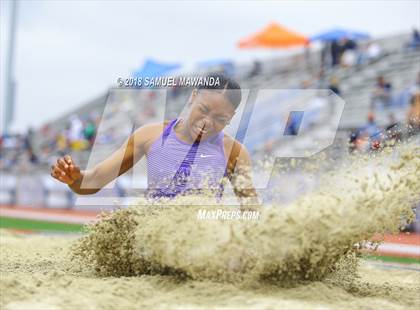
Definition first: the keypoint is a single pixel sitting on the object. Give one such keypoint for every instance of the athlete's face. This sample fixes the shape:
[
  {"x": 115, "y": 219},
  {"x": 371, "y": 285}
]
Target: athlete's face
[{"x": 210, "y": 112}]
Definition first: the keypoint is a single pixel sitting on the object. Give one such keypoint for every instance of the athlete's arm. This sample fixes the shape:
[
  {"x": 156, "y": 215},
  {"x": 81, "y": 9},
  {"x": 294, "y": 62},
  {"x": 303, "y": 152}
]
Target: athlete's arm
[
  {"x": 91, "y": 181},
  {"x": 240, "y": 168}
]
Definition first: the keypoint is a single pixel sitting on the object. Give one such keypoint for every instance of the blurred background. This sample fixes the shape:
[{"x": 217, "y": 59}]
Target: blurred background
[{"x": 60, "y": 62}]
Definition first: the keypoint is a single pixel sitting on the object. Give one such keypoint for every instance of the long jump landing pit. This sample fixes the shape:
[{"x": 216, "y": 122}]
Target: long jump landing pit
[
  {"x": 35, "y": 274},
  {"x": 299, "y": 257}
]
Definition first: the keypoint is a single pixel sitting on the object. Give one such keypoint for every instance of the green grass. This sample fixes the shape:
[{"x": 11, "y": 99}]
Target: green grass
[{"x": 37, "y": 225}]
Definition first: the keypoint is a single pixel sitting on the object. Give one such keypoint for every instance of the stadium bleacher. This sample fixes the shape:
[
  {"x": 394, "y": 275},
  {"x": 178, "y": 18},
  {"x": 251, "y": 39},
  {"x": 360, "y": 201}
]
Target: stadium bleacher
[{"x": 119, "y": 107}]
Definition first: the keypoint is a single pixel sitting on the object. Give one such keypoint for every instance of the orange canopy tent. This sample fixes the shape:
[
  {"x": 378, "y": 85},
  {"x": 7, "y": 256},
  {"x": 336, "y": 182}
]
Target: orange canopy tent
[{"x": 273, "y": 36}]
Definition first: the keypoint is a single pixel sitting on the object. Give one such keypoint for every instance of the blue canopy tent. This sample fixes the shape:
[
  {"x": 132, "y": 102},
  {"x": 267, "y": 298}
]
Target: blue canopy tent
[
  {"x": 338, "y": 34},
  {"x": 153, "y": 68},
  {"x": 226, "y": 65}
]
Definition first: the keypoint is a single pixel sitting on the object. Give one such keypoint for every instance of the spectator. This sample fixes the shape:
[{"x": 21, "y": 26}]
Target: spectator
[
  {"x": 256, "y": 69},
  {"x": 89, "y": 132},
  {"x": 334, "y": 86},
  {"x": 353, "y": 141},
  {"x": 324, "y": 54},
  {"x": 406, "y": 95},
  {"x": 413, "y": 116},
  {"x": 359, "y": 142},
  {"x": 27, "y": 140},
  {"x": 28, "y": 148},
  {"x": 373, "y": 51},
  {"x": 75, "y": 134},
  {"x": 348, "y": 44},
  {"x": 61, "y": 143},
  {"x": 369, "y": 53},
  {"x": 335, "y": 53},
  {"x": 368, "y": 137},
  {"x": 348, "y": 52},
  {"x": 75, "y": 129},
  {"x": 382, "y": 93},
  {"x": 415, "y": 40},
  {"x": 33, "y": 159},
  {"x": 371, "y": 128}
]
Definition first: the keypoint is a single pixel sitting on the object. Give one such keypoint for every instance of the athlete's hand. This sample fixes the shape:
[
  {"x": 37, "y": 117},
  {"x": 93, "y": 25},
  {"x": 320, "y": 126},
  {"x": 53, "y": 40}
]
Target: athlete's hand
[{"x": 66, "y": 171}]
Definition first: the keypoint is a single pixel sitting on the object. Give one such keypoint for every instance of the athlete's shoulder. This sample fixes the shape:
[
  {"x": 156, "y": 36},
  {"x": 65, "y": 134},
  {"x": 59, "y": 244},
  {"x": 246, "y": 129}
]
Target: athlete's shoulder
[
  {"x": 230, "y": 142},
  {"x": 235, "y": 149},
  {"x": 152, "y": 127},
  {"x": 236, "y": 153},
  {"x": 149, "y": 132}
]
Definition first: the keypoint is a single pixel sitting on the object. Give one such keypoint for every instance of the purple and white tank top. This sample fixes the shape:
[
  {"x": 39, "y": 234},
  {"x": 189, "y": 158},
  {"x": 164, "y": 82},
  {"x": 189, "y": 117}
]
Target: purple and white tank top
[{"x": 175, "y": 167}]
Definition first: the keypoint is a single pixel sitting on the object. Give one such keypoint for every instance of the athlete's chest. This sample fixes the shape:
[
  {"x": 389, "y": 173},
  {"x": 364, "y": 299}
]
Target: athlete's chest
[{"x": 205, "y": 151}]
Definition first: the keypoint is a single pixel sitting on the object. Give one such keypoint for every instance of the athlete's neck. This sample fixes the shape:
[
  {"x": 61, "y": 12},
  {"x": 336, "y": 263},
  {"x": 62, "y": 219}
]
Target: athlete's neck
[{"x": 181, "y": 129}]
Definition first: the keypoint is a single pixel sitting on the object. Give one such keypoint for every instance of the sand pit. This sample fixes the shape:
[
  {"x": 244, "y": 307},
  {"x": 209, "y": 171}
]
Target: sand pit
[
  {"x": 301, "y": 256},
  {"x": 36, "y": 274}
]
